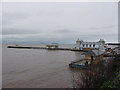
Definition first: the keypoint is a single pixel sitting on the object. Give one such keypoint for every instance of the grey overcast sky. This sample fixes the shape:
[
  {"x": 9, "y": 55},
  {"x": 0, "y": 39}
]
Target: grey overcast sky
[{"x": 59, "y": 22}]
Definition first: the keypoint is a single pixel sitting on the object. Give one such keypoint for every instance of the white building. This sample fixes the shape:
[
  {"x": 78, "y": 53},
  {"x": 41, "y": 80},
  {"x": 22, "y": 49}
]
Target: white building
[{"x": 80, "y": 44}]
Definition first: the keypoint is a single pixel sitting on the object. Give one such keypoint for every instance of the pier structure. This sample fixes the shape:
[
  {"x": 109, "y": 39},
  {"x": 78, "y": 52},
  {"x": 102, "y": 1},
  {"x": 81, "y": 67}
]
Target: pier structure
[
  {"x": 52, "y": 46},
  {"x": 81, "y": 45}
]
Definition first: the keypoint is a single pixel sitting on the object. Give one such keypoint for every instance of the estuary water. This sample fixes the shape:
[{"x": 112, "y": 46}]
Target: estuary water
[{"x": 37, "y": 68}]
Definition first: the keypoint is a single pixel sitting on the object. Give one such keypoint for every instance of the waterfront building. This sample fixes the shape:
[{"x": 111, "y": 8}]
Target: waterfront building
[
  {"x": 89, "y": 57},
  {"x": 93, "y": 56},
  {"x": 52, "y": 46},
  {"x": 81, "y": 45}
]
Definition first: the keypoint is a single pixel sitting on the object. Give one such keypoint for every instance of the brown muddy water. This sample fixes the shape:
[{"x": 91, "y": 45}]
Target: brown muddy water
[{"x": 37, "y": 68}]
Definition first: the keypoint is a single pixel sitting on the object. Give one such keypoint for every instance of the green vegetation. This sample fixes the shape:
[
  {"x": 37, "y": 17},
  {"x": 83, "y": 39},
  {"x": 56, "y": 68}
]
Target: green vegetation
[
  {"x": 114, "y": 82},
  {"x": 103, "y": 75}
]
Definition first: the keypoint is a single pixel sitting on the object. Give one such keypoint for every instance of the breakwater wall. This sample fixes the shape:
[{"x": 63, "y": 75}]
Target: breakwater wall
[{"x": 26, "y": 47}]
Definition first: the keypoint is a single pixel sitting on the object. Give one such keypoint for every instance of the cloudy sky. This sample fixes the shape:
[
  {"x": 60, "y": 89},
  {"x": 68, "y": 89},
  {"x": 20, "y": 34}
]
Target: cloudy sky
[{"x": 59, "y": 22}]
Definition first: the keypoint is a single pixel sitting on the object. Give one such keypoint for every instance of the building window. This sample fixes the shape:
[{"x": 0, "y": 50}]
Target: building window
[
  {"x": 90, "y": 45},
  {"x": 83, "y": 45},
  {"x": 94, "y": 45},
  {"x": 86, "y": 45}
]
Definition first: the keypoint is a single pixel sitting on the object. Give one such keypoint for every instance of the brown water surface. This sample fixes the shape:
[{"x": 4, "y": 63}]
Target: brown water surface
[{"x": 37, "y": 68}]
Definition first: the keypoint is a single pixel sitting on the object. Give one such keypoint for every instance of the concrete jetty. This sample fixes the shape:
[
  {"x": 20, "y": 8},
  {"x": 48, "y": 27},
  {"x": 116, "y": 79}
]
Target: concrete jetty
[{"x": 28, "y": 47}]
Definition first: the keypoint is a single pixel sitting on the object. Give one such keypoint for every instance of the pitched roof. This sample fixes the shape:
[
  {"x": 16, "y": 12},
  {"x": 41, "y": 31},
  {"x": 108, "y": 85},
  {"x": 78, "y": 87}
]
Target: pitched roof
[
  {"x": 93, "y": 53},
  {"x": 89, "y": 53}
]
